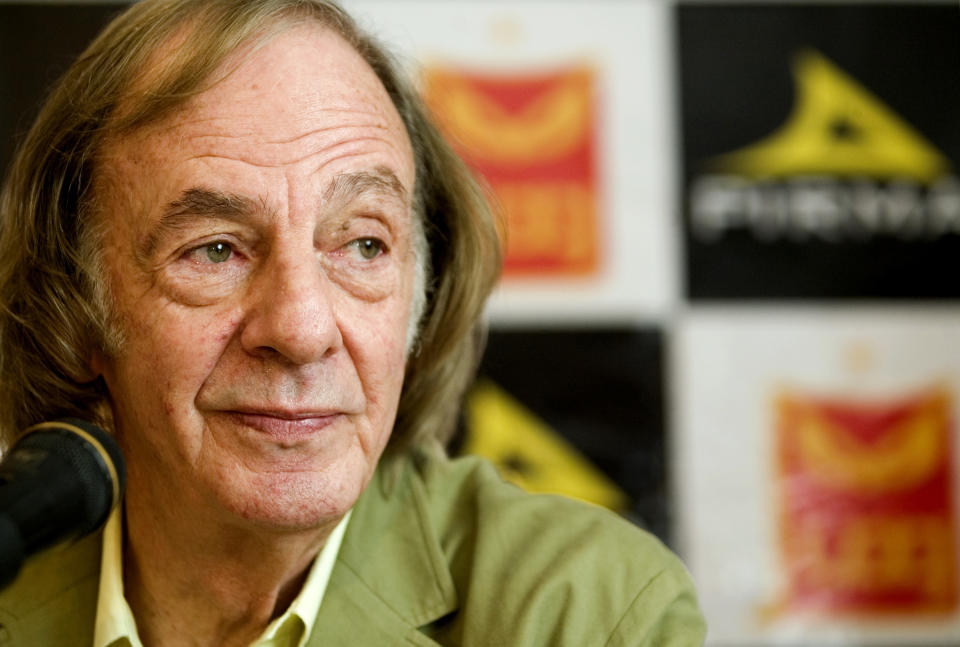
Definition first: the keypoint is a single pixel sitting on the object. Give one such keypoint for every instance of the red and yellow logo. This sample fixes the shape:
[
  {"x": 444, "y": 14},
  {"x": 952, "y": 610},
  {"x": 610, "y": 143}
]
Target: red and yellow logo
[
  {"x": 867, "y": 521},
  {"x": 532, "y": 138}
]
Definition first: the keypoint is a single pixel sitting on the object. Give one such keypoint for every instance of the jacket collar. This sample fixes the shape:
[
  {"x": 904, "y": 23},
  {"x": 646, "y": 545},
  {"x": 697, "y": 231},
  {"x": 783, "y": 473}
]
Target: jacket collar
[{"x": 391, "y": 575}]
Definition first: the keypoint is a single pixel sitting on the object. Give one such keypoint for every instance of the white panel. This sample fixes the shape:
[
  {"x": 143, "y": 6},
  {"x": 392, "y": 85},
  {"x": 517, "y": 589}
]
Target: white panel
[
  {"x": 728, "y": 366},
  {"x": 628, "y": 43}
]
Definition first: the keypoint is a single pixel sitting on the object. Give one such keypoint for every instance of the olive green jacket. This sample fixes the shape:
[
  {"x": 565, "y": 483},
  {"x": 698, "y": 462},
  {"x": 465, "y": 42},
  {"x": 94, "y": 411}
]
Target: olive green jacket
[{"x": 437, "y": 552}]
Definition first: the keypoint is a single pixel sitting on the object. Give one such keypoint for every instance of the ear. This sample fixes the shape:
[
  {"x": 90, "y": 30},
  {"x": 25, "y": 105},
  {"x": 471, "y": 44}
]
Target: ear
[{"x": 96, "y": 367}]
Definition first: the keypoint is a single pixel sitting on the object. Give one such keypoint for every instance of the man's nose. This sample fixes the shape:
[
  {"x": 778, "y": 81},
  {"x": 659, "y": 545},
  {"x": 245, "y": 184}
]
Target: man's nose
[{"x": 292, "y": 312}]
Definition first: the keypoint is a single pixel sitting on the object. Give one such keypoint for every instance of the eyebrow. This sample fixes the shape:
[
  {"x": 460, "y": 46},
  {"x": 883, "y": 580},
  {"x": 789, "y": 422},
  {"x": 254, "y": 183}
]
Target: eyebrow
[
  {"x": 205, "y": 203},
  {"x": 347, "y": 186},
  {"x": 194, "y": 203}
]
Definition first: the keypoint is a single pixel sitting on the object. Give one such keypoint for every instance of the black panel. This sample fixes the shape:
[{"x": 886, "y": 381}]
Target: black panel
[
  {"x": 37, "y": 44},
  {"x": 736, "y": 87},
  {"x": 602, "y": 390}
]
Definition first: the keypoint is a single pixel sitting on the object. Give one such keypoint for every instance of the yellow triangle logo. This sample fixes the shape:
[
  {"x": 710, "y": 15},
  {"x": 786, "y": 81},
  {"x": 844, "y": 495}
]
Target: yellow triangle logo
[
  {"x": 531, "y": 454},
  {"x": 837, "y": 128}
]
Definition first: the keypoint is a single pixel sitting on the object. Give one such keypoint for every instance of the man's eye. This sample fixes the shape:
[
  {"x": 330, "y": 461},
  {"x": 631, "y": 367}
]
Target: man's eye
[
  {"x": 218, "y": 252},
  {"x": 369, "y": 248}
]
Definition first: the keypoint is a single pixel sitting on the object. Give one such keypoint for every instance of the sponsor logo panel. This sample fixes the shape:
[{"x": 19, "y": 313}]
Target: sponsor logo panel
[
  {"x": 565, "y": 110},
  {"x": 531, "y": 137},
  {"x": 848, "y": 185},
  {"x": 867, "y": 521},
  {"x": 576, "y": 412},
  {"x": 816, "y": 474}
]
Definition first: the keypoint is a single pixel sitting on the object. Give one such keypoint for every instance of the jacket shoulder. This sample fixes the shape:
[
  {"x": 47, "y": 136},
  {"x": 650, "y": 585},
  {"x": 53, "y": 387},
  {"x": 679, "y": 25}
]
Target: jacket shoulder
[
  {"x": 52, "y": 602},
  {"x": 542, "y": 569}
]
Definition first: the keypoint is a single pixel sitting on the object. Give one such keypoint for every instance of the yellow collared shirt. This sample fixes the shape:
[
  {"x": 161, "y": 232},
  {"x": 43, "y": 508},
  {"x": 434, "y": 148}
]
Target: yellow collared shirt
[{"x": 116, "y": 627}]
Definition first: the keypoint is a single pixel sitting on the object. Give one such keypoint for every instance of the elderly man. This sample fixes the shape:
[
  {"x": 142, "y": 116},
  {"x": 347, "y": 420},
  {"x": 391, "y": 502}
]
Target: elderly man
[{"x": 234, "y": 240}]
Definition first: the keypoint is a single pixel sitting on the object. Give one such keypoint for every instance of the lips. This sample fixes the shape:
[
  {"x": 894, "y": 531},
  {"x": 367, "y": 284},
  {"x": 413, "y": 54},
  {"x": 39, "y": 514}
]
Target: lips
[{"x": 285, "y": 426}]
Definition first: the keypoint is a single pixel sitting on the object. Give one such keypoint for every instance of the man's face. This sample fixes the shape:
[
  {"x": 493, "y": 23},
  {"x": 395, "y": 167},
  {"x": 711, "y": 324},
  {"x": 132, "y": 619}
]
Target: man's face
[{"x": 260, "y": 255}]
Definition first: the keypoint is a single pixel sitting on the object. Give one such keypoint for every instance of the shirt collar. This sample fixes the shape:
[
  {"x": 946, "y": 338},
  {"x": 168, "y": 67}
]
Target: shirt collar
[{"x": 115, "y": 624}]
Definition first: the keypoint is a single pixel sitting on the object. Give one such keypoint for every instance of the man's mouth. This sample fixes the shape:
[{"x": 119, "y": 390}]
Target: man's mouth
[{"x": 286, "y": 426}]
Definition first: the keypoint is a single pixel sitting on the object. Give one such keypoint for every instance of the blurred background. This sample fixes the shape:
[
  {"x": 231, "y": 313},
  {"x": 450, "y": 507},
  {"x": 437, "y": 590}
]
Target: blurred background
[{"x": 729, "y": 308}]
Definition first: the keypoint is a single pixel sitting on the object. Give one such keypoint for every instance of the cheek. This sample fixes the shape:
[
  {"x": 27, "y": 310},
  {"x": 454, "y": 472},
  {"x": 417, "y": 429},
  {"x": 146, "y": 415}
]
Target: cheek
[
  {"x": 377, "y": 344},
  {"x": 173, "y": 349},
  {"x": 156, "y": 378}
]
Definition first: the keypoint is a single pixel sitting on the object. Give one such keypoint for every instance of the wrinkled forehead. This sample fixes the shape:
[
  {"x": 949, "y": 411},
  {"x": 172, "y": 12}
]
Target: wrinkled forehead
[
  {"x": 290, "y": 91},
  {"x": 293, "y": 83},
  {"x": 161, "y": 72}
]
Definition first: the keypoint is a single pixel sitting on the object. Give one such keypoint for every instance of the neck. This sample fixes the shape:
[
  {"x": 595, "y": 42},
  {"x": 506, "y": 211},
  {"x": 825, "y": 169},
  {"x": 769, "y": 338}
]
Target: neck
[{"x": 210, "y": 583}]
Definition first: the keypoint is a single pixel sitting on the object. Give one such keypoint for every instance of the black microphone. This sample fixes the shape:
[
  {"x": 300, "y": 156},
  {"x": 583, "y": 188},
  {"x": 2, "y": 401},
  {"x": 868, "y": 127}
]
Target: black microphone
[{"x": 59, "y": 481}]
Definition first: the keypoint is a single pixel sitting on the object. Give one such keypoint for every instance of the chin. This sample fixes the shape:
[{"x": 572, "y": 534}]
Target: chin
[{"x": 294, "y": 501}]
